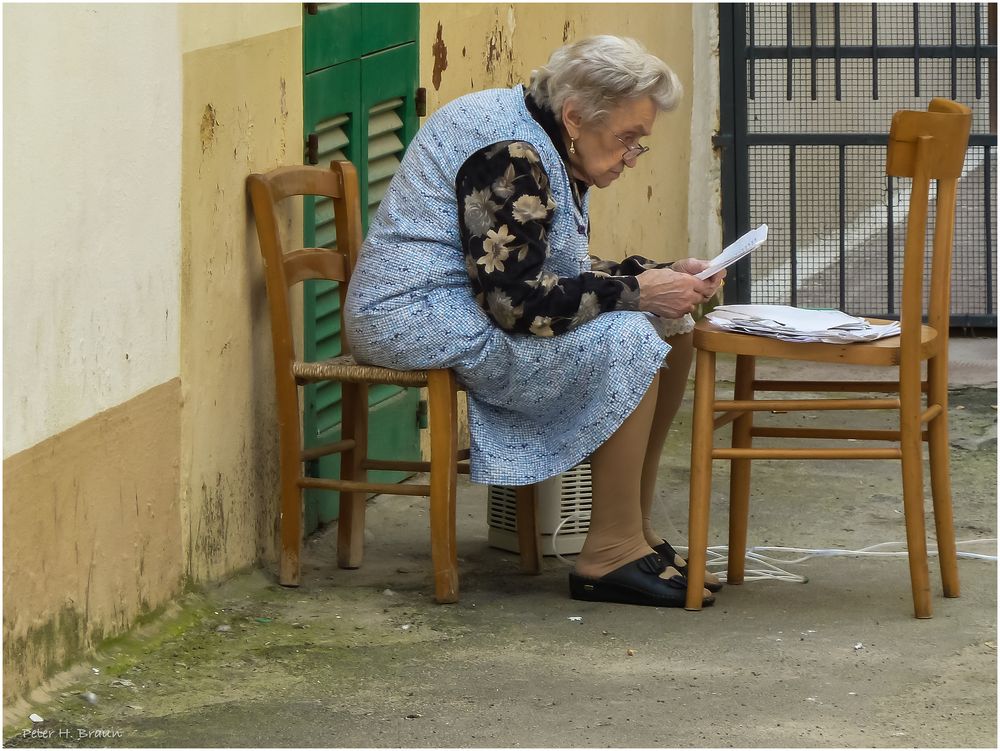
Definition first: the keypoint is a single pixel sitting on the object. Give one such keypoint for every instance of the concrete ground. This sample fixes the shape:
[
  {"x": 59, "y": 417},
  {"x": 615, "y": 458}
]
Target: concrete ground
[{"x": 366, "y": 659}]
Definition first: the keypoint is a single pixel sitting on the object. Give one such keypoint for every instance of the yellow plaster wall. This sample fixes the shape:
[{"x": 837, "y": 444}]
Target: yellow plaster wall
[
  {"x": 91, "y": 535},
  {"x": 469, "y": 46},
  {"x": 204, "y": 25},
  {"x": 242, "y": 112}
]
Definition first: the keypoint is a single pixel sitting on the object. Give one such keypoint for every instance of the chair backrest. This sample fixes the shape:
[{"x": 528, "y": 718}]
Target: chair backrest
[
  {"x": 284, "y": 268},
  {"x": 928, "y": 146}
]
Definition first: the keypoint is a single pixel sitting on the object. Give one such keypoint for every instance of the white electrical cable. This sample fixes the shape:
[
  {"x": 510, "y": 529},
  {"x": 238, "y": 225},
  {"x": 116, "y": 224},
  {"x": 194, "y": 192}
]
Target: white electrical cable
[
  {"x": 718, "y": 554},
  {"x": 555, "y": 533}
]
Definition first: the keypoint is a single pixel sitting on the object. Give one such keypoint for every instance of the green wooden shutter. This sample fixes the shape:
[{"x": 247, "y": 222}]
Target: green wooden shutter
[
  {"x": 385, "y": 25},
  {"x": 390, "y": 122},
  {"x": 331, "y": 34},
  {"x": 362, "y": 110},
  {"x": 332, "y": 112}
]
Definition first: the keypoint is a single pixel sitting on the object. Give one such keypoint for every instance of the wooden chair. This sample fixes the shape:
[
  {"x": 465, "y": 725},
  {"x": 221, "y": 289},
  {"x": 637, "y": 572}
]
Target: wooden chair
[
  {"x": 925, "y": 146},
  {"x": 283, "y": 269}
]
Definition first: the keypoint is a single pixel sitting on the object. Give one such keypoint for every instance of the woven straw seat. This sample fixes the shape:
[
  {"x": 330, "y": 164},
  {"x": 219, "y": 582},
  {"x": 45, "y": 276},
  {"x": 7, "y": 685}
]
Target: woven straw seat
[
  {"x": 345, "y": 368},
  {"x": 924, "y": 146},
  {"x": 283, "y": 269}
]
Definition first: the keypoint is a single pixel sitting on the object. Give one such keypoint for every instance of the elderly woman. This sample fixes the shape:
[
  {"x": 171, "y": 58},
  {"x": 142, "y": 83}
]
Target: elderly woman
[{"x": 478, "y": 259}]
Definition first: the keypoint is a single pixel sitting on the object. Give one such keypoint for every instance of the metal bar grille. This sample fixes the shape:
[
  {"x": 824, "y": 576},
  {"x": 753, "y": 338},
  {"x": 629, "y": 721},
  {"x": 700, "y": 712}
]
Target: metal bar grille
[{"x": 816, "y": 86}]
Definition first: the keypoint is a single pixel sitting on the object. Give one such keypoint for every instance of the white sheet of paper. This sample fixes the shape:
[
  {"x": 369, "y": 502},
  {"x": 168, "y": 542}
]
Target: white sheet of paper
[
  {"x": 798, "y": 319},
  {"x": 752, "y": 239}
]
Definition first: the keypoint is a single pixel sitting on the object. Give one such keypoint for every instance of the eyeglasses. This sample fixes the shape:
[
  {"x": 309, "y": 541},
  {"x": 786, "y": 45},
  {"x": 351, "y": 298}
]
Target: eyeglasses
[{"x": 632, "y": 152}]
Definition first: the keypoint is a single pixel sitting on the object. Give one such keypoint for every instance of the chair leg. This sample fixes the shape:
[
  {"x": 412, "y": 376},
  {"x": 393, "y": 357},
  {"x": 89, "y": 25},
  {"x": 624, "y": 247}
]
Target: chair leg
[
  {"x": 527, "y": 529},
  {"x": 739, "y": 474},
  {"x": 442, "y": 402},
  {"x": 290, "y": 554},
  {"x": 937, "y": 444},
  {"x": 911, "y": 450},
  {"x": 291, "y": 472},
  {"x": 702, "y": 429},
  {"x": 351, "y": 524}
]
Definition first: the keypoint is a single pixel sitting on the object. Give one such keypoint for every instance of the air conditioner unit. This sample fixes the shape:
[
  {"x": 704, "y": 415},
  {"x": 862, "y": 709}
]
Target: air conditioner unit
[{"x": 565, "y": 497}]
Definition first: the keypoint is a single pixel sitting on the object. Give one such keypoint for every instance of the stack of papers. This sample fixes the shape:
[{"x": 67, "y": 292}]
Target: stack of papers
[{"x": 799, "y": 325}]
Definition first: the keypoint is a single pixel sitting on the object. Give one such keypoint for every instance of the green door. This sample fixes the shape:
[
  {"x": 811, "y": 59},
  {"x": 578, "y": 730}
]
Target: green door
[{"x": 359, "y": 94}]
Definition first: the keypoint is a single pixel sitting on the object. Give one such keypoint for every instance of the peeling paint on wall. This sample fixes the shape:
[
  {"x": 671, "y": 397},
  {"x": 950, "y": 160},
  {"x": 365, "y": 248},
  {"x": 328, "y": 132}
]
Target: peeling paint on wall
[
  {"x": 500, "y": 53},
  {"x": 440, "y": 54},
  {"x": 208, "y": 123},
  {"x": 283, "y": 108},
  {"x": 494, "y": 43}
]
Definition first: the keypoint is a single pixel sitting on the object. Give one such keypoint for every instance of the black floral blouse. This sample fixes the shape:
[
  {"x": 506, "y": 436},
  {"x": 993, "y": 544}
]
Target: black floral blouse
[{"x": 505, "y": 213}]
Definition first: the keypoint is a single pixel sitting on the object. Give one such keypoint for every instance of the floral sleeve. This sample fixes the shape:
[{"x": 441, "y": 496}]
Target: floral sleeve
[
  {"x": 505, "y": 211},
  {"x": 633, "y": 265}
]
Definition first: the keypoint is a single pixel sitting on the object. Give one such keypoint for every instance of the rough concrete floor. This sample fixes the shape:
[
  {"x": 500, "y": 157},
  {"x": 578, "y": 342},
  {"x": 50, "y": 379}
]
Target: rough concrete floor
[{"x": 365, "y": 659}]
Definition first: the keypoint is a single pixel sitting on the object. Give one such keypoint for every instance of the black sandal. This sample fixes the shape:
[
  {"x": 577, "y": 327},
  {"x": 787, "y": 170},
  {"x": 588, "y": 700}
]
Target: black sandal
[
  {"x": 635, "y": 583},
  {"x": 666, "y": 550}
]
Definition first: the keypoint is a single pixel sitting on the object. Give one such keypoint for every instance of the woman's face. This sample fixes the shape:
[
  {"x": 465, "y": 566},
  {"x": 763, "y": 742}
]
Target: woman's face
[{"x": 601, "y": 147}]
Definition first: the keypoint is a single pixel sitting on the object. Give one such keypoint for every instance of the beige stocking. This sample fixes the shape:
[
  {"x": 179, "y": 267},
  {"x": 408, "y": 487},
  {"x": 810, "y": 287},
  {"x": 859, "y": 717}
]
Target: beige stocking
[
  {"x": 673, "y": 381},
  {"x": 615, "y": 537}
]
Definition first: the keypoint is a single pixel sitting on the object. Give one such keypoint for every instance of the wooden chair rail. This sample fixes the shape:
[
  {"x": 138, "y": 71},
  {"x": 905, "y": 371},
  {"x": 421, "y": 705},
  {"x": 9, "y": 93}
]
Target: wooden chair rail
[
  {"x": 462, "y": 469},
  {"x": 796, "y": 405},
  {"x": 314, "y": 263},
  {"x": 830, "y": 433},
  {"x": 337, "y": 447},
  {"x": 806, "y": 453},
  {"x": 724, "y": 419},
  {"x": 292, "y": 180},
  {"x": 352, "y": 486},
  {"x": 887, "y": 387}
]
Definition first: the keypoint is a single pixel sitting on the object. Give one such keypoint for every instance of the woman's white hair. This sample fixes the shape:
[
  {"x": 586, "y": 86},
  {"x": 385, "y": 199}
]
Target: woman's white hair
[{"x": 602, "y": 72}]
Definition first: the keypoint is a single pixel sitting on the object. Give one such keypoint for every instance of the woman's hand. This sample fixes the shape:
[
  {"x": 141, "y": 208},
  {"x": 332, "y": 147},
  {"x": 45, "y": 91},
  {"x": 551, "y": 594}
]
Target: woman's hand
[
  {"x": 672, "y": 294},
  {"x": 696, "y": 266}
]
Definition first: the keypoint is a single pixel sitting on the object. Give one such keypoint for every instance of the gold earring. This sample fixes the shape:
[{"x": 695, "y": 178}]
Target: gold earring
[{"x": 572, "y": 146}]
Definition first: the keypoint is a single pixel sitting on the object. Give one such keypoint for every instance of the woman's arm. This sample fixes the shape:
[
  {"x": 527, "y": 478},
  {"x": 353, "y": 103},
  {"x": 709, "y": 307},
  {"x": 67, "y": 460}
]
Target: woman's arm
[
  {"x": 505, "y": 215},
  {"x": 632, "y": 265}
]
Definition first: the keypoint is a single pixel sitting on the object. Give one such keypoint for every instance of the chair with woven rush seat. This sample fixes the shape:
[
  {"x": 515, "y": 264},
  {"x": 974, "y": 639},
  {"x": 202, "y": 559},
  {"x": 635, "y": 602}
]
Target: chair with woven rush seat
[
  {"x": 283, "y": 269},
  {"x": 923, "y": 146}
]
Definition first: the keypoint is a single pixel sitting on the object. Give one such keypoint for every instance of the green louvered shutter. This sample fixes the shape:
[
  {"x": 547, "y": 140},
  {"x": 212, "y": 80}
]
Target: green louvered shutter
[
  {"x": 388, "y": 85},
  {"x": 362, "y": 110}
]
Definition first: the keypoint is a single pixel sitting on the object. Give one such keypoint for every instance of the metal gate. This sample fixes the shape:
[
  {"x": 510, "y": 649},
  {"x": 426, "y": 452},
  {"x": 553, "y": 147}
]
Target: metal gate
[{"x": 808, "y": 91}]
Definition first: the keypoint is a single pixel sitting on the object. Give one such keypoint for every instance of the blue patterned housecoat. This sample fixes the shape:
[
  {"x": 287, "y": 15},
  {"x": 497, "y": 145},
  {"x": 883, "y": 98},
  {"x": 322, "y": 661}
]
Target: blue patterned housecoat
[{"x": 537, "y": 405}]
